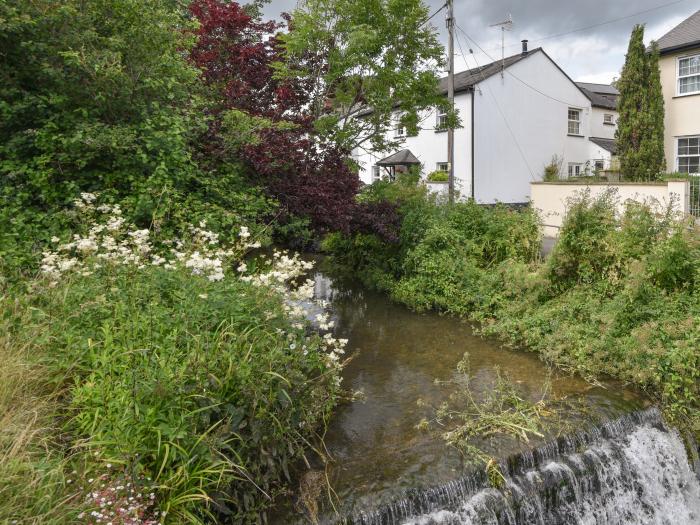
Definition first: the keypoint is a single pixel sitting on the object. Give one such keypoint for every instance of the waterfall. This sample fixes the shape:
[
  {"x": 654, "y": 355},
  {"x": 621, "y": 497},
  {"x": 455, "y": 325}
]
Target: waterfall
[{"x": 633, "y": 470}]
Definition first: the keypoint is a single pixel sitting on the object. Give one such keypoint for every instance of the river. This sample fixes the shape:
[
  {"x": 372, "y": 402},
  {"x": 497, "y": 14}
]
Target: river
[{"x": 384, "y": 470}]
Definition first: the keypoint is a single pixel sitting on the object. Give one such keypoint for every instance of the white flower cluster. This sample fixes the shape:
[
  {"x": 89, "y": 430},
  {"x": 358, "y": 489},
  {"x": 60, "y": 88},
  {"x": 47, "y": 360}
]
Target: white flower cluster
[
  {"x": 111, "y": 240},
  {"x": 283, "y": 275}
]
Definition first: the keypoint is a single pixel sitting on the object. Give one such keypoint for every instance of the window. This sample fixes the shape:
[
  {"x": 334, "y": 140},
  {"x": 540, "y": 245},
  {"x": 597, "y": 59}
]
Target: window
[
  {"x": 689, "y": 75},
  {"x": 608, "y": 119},
  {"x": 689, "y": 154},
  {"x": 599, "y": 164},
  {"x": 441, "y": 122},
  {"x": 400, "y": 130},
  {"x": 442, "y": 166},
  {"x": 575, "y": 169},
  {"x": 375, "y": 173},
  {"x": 574, "y": 121}
]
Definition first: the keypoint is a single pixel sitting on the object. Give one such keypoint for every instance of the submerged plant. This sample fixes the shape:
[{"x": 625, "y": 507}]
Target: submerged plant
[{"x": 471, "y": 419}]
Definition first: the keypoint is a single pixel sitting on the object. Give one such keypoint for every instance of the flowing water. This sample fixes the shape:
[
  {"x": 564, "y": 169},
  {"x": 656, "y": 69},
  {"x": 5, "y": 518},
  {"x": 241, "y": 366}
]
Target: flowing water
[{"x": 624, "y": 467}]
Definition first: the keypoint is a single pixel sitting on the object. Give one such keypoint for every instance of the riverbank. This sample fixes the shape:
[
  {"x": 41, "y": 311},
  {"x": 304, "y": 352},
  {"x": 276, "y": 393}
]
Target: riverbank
[
  {"x": 618, "y": 296},
  {"x": 149, "y": 381},
  {"x": 375, "y": 449}
]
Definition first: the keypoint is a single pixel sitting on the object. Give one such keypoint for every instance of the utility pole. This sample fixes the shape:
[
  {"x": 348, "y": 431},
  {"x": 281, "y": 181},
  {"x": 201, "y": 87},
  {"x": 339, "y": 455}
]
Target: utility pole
[{"x": 451, "y": 99}]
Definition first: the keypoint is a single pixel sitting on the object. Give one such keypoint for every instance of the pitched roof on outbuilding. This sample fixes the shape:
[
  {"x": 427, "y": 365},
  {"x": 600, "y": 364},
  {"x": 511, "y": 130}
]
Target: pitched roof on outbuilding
[
  {"x": 400, "y": 158},
  {"x": 607, "y": 144},
  {"x": 685, "y": 35}
]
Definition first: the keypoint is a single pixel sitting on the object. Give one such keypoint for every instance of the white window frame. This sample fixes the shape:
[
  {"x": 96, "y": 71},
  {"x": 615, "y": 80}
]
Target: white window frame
[
  {"x": 689, "y": 75},
  {"x": 687, "y": 155},
  {"x": 608, "y": 118},
  {"x": 440, "y": 119},
  {"x": 399, "y": 130},
  {"x": 571, "y": 121},
  {"x": 442, "y": 166},
  {"x": 576, "y": 167},
  {"x": 376, "y": 173}
]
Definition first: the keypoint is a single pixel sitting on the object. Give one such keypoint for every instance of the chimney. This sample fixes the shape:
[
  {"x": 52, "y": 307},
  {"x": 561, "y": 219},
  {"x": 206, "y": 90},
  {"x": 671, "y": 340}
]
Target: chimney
[{"x": 524, "y": 46}]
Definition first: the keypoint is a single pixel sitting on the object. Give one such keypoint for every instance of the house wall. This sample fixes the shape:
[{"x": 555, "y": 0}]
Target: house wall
[
  {"x": 430, "y": 147},
  {"x": 518, "y": 130},
  {"x": 598, "y": 128},
  {"x": 682, "y": 113},
  {"x": 598, "y": 153},
  {"x": 551, "y": 199}
]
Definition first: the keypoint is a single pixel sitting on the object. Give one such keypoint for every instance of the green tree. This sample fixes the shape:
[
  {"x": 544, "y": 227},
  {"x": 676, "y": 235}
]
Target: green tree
[
  {"x": 100, "y": 96},
  {"x": 640, "y": 129},
  {"x": 360, "y": 54}
]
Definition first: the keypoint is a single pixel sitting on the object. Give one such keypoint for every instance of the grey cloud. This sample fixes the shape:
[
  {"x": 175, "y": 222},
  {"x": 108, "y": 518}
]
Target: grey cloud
[{"x": 596, "y": 53}]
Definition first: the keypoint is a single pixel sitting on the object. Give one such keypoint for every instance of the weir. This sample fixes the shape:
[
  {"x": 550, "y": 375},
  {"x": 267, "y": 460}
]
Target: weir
[{"x": 632, "y": 470}]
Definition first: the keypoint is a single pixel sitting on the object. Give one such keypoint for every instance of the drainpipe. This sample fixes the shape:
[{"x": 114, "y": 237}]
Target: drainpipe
[{"x": 472, "y": 119}]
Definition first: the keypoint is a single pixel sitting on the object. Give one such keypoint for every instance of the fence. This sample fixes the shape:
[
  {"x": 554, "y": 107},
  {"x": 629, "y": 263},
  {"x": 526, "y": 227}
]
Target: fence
[
  {"x": 694, "y": 195},
  {"x": 551, "y": 198}
]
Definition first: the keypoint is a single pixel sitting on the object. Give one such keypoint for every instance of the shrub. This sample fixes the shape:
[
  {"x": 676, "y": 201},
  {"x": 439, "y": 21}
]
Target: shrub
[
  {"x": 195, "y": 381},
  {"x": 617, "y": 296},
  {"x": 438, "y": 176}
]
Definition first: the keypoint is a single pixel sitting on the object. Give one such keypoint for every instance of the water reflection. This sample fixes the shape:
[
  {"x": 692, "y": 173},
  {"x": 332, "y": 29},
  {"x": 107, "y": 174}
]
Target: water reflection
[{"x": 397, "y": 356}]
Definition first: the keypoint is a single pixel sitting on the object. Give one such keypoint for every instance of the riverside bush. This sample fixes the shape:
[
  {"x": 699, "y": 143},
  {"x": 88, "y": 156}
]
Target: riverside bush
[
  {"x": 166, "y": 369},
  {"x": 616, "y": 297}
]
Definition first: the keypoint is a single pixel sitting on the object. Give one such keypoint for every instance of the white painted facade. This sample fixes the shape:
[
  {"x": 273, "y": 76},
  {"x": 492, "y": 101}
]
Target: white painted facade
[
  {"x": 520, "y": 121},
  {"x": 430, "y": 146}
]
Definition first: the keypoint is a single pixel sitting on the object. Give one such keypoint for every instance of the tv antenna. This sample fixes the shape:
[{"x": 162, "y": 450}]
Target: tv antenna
[{"x": 506, "y": 25}]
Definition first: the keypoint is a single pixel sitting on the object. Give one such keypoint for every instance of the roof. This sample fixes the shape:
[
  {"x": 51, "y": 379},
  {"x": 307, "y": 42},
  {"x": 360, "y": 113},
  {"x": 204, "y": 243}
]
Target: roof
[
  {"x": 465, "y": 80},
  {"x": 607, "y": 144},
  {"x": 685, "y": 35},
  {"x": 400, "y": 158},
  {"x": 600, "y": 95},
  {"x": 605, "y": 89}
]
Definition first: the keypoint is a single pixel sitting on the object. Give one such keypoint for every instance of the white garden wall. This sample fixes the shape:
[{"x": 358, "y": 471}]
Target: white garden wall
[{"x": 551, "y": 198}]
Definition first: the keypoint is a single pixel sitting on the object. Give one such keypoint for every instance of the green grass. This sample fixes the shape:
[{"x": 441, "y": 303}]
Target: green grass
[{"x": 197, "y": 391}]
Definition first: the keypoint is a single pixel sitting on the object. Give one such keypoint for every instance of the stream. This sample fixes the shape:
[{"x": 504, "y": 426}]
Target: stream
[{"x": 621, "y": 465}]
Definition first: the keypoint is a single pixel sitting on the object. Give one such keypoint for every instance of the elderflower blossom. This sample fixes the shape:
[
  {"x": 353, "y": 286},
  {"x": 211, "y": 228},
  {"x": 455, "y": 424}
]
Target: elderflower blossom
[{"x": 111, "y": 241}]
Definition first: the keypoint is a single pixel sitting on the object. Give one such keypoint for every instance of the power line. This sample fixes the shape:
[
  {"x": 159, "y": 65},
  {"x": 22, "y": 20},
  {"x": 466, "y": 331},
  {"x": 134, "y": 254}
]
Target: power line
[
  {"x": 599, "y": 24},
  {"x": 569, "y": 104},
  {"x": 435, "y": 13},
  {"x": 498, "y": 107}
]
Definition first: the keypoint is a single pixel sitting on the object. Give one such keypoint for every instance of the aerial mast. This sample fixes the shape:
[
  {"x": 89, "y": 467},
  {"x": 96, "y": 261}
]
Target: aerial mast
[{"x": 506, "y": 25}]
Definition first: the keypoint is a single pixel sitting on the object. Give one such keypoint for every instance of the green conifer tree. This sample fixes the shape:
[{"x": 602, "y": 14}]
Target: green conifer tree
[{"x": 640, "y": 128}]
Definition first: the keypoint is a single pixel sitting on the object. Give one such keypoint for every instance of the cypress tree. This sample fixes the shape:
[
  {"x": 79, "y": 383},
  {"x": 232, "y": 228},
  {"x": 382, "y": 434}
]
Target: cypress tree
[
  {"x": 654, "y": 149},
  {"x": 640, "y": 128}
]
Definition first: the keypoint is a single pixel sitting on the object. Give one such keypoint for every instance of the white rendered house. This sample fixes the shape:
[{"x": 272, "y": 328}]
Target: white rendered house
[{"x": 517, "y": 114}]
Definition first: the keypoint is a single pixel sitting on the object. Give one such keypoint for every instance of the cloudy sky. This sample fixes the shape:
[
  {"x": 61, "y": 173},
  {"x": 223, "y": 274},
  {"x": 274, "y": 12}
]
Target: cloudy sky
[{"x": 593, "y": 54}]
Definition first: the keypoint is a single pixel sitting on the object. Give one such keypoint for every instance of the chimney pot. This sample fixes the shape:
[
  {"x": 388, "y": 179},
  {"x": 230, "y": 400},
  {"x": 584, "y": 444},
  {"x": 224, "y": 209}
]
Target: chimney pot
[{"x": 524, "y": 46}]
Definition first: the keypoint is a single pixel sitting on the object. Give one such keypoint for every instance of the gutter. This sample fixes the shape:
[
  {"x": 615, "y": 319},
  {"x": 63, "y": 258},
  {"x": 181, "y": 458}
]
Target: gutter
[{"x": 681, "y": 47}]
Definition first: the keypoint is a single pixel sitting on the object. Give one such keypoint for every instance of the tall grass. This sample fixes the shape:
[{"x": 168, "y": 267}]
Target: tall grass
[
  {"x": 141, "y": 386},
  {"x": 33, "y": 481}
]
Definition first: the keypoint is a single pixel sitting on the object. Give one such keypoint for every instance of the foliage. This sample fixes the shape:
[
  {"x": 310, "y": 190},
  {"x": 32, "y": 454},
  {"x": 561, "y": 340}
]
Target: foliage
[
  {"x": 618, "y": 296},
  {"x": 99, "y": 96},
  {"x": 552, "y": 171},
  {"x": 263, "y": 122},
  {"x": 471, "y": 418},
  {"x": 354, "y": 55},
  {"x": 172, "y": 367},
  {"x": 640, "y": 126},
  {"x": 438, "y": 176}
]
